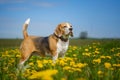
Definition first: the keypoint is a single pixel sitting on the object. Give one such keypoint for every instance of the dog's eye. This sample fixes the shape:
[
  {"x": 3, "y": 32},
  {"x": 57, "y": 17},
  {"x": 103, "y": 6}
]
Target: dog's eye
[
  {"x": 70, "y": 26},
  {"x": 65, "y": 26}
]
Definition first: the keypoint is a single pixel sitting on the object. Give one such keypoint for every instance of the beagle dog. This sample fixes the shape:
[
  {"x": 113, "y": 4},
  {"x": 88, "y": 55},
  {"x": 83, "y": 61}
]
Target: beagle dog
[{"x": 54, "y": 45}]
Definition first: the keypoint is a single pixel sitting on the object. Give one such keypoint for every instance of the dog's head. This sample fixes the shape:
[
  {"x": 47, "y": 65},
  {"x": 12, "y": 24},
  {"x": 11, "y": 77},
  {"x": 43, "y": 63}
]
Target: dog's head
[{"x": 64, "y": 29}]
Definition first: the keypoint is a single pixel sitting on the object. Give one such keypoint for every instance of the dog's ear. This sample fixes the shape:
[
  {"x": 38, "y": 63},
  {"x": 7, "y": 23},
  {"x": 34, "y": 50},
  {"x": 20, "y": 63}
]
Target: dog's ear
[{"x": 59, "y": 30}]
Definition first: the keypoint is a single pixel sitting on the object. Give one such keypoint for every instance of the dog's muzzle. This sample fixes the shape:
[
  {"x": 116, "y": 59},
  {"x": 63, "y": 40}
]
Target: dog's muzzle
[{"x": 71, "y": 32}]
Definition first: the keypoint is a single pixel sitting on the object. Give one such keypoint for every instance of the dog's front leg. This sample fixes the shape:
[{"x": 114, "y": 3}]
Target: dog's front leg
[{"x": 55, "y": 57}]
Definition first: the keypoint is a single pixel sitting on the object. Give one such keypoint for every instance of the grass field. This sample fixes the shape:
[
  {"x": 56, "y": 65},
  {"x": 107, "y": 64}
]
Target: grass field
[{"x": 89, "y": 59}]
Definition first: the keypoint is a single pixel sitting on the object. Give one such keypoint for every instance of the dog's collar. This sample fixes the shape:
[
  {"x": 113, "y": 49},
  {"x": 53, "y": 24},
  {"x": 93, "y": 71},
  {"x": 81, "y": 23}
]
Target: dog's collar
[{"x": 61, "y": 38}]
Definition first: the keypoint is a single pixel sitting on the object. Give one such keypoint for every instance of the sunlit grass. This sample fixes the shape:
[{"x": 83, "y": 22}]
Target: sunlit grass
[{"x": 92, "y": 62}]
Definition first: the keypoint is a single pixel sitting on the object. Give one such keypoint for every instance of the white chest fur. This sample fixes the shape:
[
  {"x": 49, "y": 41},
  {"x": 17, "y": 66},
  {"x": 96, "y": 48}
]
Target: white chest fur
[{"x": 62, "y": 47}]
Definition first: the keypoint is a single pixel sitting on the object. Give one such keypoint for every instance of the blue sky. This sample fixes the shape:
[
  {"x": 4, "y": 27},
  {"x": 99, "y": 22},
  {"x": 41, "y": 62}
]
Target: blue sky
[{"x": 100, "y": 18}]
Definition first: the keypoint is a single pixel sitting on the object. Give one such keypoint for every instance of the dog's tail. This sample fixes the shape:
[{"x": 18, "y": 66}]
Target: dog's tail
[{"x": 25, "y": 34}]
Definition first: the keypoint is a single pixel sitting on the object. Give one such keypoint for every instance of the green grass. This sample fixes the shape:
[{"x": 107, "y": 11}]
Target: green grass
[
  {"x": 85, "y": 42},
  {"x": 11, "y": 43},
  {"x": 87, "y": 59}
]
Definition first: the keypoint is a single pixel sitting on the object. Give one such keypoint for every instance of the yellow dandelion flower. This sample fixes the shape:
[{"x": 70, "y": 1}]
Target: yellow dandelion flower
[
  {"x": 40, "y": 65},
  {"x": 6, "y": 52},
  {"x": 66, "y": 68},
  {"x": 45, "y": 61},
  {"x": 63, "y": 79},
  {"x": 31, "y": 64},
  {"x": 86, "y": 54},
  {"x": 108, "y": 57},
  {"x": 107, "y": 65},
  {"x": 18, "y": 56},
  {"x": 99, "y": 72},
  {"x": 38, "y": 61},
  {"x": 116, "y": 65},
  {"x": 118, "y": 54},
  {"x": 68, "y": 59},
  {"x": 74, "y": 55},
  {"x": 97, "y": 52},
  {"x": 86, "y": 50},
  {"x": 97, "y": 61},
  {"x": 42, "y": 75},
  {"x": 112, "y": 50},
  {"x": 74, "y": 47},
  {"x": 97, "y": 49},
  {"x": 61, "y": 62},
  {"x": 77, "y": 69},
  {"x": 72, "y": 63},
  {"x": 102, "y": 57},
  {"x": 53, "y": 64},
  {"x": 50, "y": 61},
  {"x": 81, "y": 65}
]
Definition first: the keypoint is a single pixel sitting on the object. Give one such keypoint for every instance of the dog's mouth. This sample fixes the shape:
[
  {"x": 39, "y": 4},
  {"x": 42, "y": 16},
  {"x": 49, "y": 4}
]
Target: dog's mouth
[{"x": 71, "y": 33}]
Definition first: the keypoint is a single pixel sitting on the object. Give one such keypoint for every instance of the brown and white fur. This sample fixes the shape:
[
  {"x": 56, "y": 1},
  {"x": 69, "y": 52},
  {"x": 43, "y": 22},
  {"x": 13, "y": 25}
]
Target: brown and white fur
[{"x": 54, "y": 45}]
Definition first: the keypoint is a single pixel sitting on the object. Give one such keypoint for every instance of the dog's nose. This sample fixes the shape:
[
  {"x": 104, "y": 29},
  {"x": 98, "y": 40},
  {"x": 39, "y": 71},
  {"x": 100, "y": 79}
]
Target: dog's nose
[{"x": 70, "y": 29}]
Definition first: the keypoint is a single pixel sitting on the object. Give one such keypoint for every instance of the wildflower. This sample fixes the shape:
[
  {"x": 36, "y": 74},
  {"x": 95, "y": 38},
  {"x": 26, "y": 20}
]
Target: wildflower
[
  {"x": 97, "y": 61},
  {"x": 90, "y": 47},
  {"x": 72, "y": 63},
  {"x": 18, "y": 56},
  {"x": 99, "y": 72},
  {"x": 74, "y": 47},
  {"x": 86, "y": 54},
  {"x": 61, "y": 62},
  {"x": 44, "y": 75},
  {"x": 80, "y": 65},
  {"x": 116, "y": 65},
  {"x": 118, "y": 54},
  {"x": 69, "y": 51},
  {"x": 74, "y": 55},
  {"x": 31, "y": 64},
  {"x": 112, "y": 50},
  {"x": 50, "y": 61},
  {"x": 66, "y": 68},
  {"x": 97, "y": 49},
  {"x": 63, "y": 79},
  {"x": 97, "y": 52},
  {"x": 68, "y": 59},
  {"x": 40, "y": 65},
  {"x": 108, "y": 57},
  {"x": 107, "y": 65},
  {"x": 77, "y": 69},
  {"x": 38, "y": 61},
  {"x": 86, "y": 50},
  {"x": 45, "y": 61},
  {"x": 102, "y": 57}
]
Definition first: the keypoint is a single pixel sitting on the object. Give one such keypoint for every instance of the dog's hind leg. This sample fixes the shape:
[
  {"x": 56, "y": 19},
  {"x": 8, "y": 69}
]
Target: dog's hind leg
[{"x": 24, "y": 58}]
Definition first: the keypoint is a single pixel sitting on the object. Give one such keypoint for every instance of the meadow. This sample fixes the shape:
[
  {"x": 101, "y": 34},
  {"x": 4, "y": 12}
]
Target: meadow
[{"x": 89, "y": 59}]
